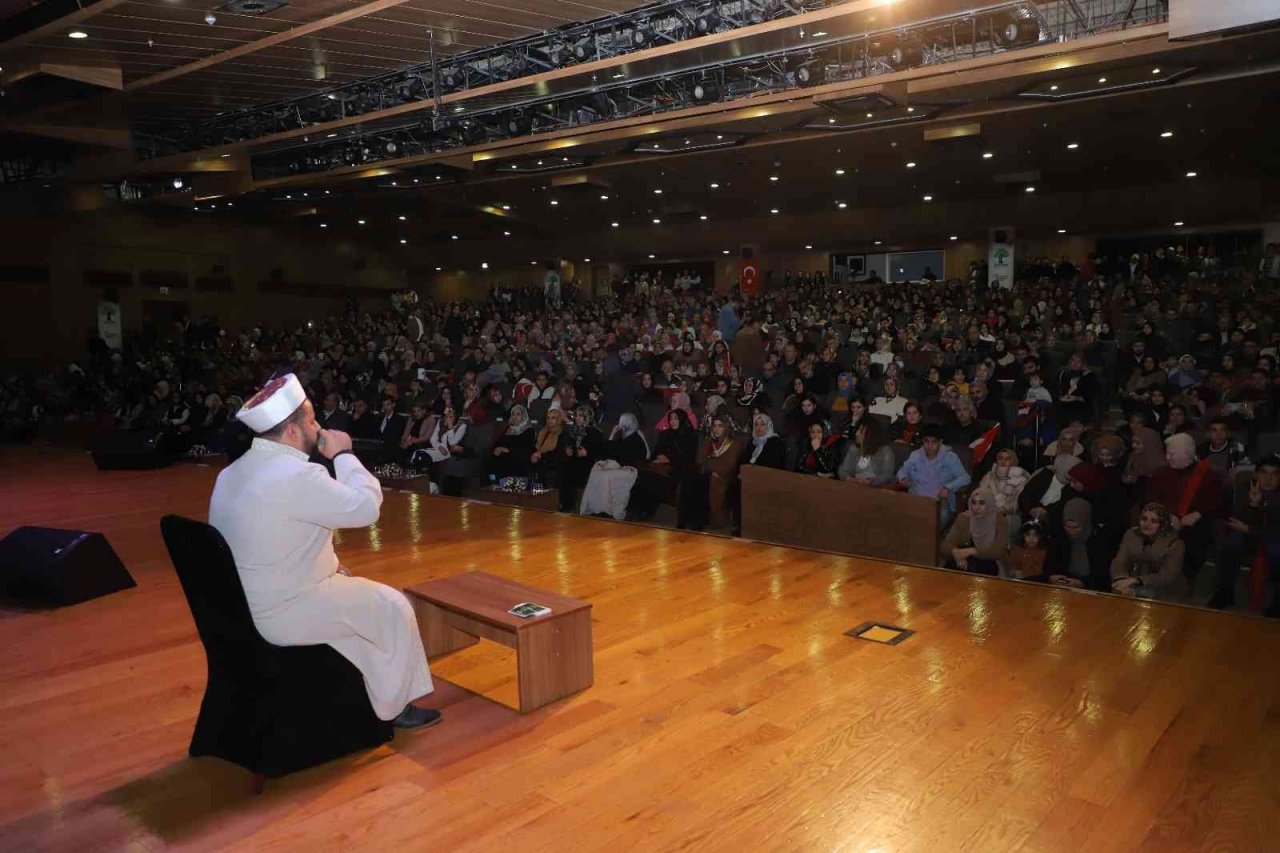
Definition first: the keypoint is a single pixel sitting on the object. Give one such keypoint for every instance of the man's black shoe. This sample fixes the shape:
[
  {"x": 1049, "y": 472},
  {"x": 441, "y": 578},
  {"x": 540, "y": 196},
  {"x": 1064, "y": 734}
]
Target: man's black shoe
[{"x": 413, "y": 717}]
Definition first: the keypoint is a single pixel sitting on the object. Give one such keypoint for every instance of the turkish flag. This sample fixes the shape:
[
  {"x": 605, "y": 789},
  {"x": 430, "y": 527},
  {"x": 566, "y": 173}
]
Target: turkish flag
[{"x": 750, "y": 277}]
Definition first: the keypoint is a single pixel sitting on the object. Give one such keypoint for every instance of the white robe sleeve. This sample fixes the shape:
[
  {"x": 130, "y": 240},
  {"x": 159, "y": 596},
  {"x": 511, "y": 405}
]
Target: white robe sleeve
[{"x": 352, "y": 500}]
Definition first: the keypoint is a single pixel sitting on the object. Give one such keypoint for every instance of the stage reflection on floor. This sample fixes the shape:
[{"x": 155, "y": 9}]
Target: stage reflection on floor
[{"x": 730, "y": 711}]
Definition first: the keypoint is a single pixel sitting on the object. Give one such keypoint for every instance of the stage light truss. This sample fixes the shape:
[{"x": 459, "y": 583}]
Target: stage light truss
[
  {"x": 1003, "y": 26},
  {"x": 659, "y": 23},
  {"x": 17, "y": 167}
]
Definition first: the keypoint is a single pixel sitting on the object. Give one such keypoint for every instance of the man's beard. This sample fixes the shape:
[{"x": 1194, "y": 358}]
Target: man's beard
[{"x": 311, "y": 444}]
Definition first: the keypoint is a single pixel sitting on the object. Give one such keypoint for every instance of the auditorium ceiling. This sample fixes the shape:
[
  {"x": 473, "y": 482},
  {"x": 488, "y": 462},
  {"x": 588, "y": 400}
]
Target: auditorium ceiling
[{"x": 971, "y": 141}]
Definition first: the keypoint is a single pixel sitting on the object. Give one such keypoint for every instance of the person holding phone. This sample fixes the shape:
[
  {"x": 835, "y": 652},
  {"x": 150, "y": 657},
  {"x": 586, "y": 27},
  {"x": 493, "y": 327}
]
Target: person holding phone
[{"x": 277, "y": 512}]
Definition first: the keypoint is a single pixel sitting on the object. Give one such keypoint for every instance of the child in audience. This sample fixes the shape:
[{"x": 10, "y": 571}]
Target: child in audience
[{"x": 1026, "y": 559}]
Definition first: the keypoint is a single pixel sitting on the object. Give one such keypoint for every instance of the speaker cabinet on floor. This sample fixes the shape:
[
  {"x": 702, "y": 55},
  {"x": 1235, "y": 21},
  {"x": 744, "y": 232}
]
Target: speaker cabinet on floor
[{"x": 46, "y": 567}]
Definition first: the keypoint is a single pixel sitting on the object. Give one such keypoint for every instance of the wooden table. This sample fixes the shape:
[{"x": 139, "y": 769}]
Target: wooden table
[{"x": 553, "y": 652}]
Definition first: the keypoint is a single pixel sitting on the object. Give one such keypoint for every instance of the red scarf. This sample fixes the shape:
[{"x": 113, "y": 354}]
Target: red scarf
[{"x": 1192, "y": 488}]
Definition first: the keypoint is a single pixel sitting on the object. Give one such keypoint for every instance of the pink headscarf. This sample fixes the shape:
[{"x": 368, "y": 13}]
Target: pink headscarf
[{"x": 679, "y": 400}]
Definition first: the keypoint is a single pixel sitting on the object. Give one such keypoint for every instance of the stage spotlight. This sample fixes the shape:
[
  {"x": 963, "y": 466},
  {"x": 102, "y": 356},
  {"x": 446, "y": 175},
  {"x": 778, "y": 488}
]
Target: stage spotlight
[
  {"x": 906, "y": 54},
  {"x": 602, "y": 104},
  {"x": 582, "y": 49},
  {"x": 519, "y": 124},
  {"x": 1011, "y": 30},
  {"x": 706, "y": 90},
  {"x": 558, "y": 54},
  {"x": 641, "y": 34},
  {"x": 708, "y": 20}
]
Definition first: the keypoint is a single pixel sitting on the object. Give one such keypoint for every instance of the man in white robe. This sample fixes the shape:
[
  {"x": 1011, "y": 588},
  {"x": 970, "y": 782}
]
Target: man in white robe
[{"x": 277, "y": 512}]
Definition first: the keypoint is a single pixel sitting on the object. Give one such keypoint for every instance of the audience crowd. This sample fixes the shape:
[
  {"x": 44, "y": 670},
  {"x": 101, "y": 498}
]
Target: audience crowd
[{"x": 1110, "y": 426}]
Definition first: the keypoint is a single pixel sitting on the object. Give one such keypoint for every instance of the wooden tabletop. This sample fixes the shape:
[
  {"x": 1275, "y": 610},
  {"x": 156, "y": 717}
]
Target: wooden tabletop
[{"x": 488, "y": 598}]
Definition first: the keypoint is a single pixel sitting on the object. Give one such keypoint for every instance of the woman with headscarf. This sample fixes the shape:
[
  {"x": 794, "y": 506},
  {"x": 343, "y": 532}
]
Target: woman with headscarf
[
  {"x": 1050, "y": 488},
  {"x": 1111, "y": 503},
  {"x": 766, "y": 447},
  {"x": 978, "y": 541},
  {"x": 1186, "y": 376},
  {"x": 1005, "y": 481},
  {"x": 679, "y": 402},
  {"x": 1076, "y": 556},
  {"x": 1145, "y": 458},
  {"x": 704, "y": 497},
  {"x": 719, "y": 359},
  {"x": 819, "y": 452},
  {"x": 674, "y": 461},
  {"x": 838, "y": 399},
  {"x": 869, "y": 459},
  {"x": 608, "y": 488},
  {"x": 548, "y": 449},
  {"x": 1149, "y": 561},
  {"x": 582, "y": 448},
  {"x": 512, "y": 450}
]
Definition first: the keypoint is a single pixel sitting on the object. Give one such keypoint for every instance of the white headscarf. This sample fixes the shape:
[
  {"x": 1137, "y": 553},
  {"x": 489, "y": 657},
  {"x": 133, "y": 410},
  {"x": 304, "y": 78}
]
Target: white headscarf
[
  {"x": 630, "y": 425},
  {"x": 760, "y": 440}
]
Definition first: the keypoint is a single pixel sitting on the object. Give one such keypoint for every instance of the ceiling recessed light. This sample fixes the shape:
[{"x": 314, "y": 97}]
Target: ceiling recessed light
[
  {"x": 1191, "y": 174},
  {"x": 1031, "y": 189},
  {"x": 402, "y": 219},
  {"x": 1166, "y": 134},
  {"x": 928, "y": 198},
  {"x": 831, "y": 121},
  {"x": 773, "y": 210},
  {"x": 1102, "y": 79},
  {"x": 393, "y": 183},
  {"x": 724, "y": 251},
  {"x": 533, "y": 263},
  {"x": 807, "y": 246},
  {"x": 657, "y": 192},
  {"x": 1053, "y": 88},
  {"x": 715, "y": 186},
  {"x": 1062, "y": 231},
  {"x": 614, "y": 224},
  {"x": 703, "y": 217},
  {"x": 554, "y": 202},
  {"x": 1155, "y": 70},
  {"x": 773, "y": 177},
  {"x": 987, "y": 155},
  {"x": 415, "y": 180},
  {"x": 878, "y": 242},
  {"x": 1178, "y": 224},
  {"x": 326, "y": 192},
  {"x": 77, "y": 34},
  {"x": 506, "y": 207},
  {"x": 454, "y": 236},
  {"x": 484, "y": 265},
  {"x": 1072, "y": 146},
  {"x": 360, "y": 222},
  {"x": 839, "y": 171},
  {"x": 842, "y": 205},
  {"x": 657, "y": 221},
  {"x": 586, "y": 260},
  {"x": 226, "y": 155},
  {"x": 911, "y": 165},
  {"x": 403, "y": 241},
  {"x": 868, "y": 115},
  {"x": 323, "y": 225},
  {"x": 652, "y": 256},
  {"x": 506, "y": 233},
  {"x": 604, "y": 198},
  {"x": 911, "y": 109},
  {"x": 439, "y": 268}
]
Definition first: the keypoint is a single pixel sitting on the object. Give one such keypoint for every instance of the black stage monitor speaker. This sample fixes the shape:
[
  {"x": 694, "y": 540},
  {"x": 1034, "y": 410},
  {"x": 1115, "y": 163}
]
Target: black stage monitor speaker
[
  {"x": 46, "y": 567},
  {"x": 124, "y": 449}
]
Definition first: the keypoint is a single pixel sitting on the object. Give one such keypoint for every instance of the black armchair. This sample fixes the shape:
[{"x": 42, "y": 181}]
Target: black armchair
[{"x": 270, "y": 709}]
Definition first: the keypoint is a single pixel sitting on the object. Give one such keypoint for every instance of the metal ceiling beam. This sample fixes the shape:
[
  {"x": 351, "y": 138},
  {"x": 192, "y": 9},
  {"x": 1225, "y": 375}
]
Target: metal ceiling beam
[{"x": 262, "y": 43}]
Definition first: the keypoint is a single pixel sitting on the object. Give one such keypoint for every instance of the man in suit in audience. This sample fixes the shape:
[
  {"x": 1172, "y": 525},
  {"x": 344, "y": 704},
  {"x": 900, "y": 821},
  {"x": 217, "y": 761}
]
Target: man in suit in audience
[
  {"x": 390, "y": 426},
  {"x": 332, "y": 417}
]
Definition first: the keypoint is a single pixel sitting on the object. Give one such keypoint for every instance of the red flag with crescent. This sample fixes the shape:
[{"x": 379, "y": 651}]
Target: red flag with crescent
[{"x": 750, "y": 277}]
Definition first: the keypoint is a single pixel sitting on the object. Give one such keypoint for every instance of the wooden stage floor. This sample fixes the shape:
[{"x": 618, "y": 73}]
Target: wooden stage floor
[{"x": 729, "y": 712}]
